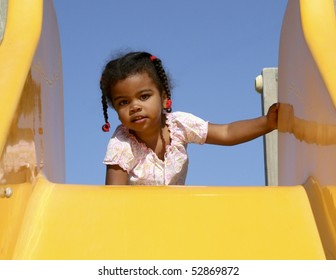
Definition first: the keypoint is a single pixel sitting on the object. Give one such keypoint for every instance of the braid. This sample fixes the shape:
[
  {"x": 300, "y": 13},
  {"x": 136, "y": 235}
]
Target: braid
[
  {"x": 106, "y": 126},
  {"x": 104, "y": 103},
  {"x": 162, "y": 76}
]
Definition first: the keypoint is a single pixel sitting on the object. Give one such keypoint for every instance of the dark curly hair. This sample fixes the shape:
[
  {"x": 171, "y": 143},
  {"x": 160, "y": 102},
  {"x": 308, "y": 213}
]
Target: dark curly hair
[{"x": 127, "y": 65}]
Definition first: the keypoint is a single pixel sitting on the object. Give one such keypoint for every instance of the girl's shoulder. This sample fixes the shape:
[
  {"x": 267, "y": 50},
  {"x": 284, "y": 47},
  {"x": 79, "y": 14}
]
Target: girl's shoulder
[
  {"x": 121, "y": 150},
  {"x": 181, "y": 117},
  {"x": 120, "y": 139},
  {"x": 123, "y": 136},
  {"x": 121, "y": 133},
  {"x": 187, "y": 126},
  {"x": 184, "y": 119}
]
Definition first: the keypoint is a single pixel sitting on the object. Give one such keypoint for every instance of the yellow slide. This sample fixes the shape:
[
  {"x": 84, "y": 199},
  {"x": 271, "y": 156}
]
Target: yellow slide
[{"x": 41, "y": 218}]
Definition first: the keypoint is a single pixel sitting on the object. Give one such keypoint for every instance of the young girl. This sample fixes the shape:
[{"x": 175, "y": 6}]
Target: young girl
[{"x": 150, "y": 145}]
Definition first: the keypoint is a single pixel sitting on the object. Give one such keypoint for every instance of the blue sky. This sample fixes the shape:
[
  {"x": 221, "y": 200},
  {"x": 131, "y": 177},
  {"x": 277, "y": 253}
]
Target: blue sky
[{"x": 213, "y": 51}]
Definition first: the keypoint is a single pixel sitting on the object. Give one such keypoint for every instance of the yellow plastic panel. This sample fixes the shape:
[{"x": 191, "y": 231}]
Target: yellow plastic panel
[
  {"x": 23, "y": 27},
  {"x": 31, "y": 96},
  {"x": 307, "y": 90},
  {"x": 86, "y": 222},
  {"x": 319, "y": 29},
  {"x": 323, "y": 202},
  {"x": 12, "y": 210},
  {"x": 329, "y": 193}
]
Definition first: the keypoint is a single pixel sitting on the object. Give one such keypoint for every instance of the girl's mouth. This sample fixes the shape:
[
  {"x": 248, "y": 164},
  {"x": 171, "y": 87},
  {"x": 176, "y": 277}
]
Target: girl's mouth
[{"x": 138, "y": 119}]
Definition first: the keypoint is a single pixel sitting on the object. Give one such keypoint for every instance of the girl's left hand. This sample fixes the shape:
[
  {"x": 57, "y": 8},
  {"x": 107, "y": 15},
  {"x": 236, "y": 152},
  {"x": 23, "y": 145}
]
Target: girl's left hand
[{"x": 272, "y": 116}]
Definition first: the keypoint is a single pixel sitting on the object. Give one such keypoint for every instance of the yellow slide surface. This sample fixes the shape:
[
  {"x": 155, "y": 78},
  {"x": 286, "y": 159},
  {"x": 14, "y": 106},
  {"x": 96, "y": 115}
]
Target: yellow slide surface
[
  {"x": 78, "y": 222},
  {"x": 46, "y": 219}
]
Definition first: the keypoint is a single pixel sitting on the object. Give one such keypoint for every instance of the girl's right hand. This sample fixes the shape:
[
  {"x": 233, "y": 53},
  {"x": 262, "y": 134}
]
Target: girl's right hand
[{"x": 272, "y": 116}]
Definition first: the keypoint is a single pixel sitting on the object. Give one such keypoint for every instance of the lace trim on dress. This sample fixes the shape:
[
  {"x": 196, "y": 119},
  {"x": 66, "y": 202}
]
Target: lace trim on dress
[{"x": 141, "y": 148}]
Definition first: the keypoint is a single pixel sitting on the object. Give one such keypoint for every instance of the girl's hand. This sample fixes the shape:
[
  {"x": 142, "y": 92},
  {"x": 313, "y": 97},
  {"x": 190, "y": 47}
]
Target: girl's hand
[{"x": 272, "y": 116}]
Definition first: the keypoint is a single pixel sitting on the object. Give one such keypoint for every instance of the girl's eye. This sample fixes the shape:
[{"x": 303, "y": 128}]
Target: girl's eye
[
  {"x": 122, "y": 103},
  {"x": 144, "y": 97}
]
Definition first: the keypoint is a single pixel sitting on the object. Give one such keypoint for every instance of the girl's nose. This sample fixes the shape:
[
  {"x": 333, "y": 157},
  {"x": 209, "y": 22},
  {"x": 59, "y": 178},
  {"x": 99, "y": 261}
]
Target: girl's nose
[{"x": 135, "y": 108}]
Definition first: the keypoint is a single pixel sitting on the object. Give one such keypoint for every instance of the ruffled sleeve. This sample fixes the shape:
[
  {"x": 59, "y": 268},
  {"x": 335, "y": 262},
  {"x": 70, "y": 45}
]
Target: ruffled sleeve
[
  {"x": 119, "y": 150},
  {"x": 187, "y": 127}
]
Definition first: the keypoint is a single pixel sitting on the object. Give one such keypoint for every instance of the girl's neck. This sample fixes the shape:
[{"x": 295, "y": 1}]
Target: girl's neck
[{"x": 156, "y": 140}]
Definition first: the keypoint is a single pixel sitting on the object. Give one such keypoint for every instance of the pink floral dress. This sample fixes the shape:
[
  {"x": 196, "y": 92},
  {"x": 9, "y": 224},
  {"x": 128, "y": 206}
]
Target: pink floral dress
[{"x": 143, "y": 165}]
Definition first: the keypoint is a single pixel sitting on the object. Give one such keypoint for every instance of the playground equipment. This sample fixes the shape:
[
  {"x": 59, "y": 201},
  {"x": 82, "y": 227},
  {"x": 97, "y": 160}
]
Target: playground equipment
[{"x": 43, "y": 218}]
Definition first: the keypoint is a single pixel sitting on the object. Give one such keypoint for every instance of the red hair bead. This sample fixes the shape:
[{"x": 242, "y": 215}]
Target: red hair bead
[
  {"x": 106, "y": 127},
  {"x": 169, "y": 104},
  {"x": 152, "y": 57}
]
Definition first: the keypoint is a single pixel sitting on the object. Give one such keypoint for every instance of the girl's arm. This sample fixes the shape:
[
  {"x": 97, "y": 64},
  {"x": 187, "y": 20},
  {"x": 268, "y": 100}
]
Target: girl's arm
[
  {"x": 243, "y": 131},
  {"x": 115, "y": 175}
]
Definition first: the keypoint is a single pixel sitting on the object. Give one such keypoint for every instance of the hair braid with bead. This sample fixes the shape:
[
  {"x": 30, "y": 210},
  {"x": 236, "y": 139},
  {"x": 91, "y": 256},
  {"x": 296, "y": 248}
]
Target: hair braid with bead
[
  {"x": 163, "y": 77},
  {"x": 106, "y": 126}
]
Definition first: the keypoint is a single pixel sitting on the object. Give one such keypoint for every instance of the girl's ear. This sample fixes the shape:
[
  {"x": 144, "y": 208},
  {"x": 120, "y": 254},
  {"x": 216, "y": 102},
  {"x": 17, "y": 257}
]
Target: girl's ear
[{"x": 164, "y": 99}]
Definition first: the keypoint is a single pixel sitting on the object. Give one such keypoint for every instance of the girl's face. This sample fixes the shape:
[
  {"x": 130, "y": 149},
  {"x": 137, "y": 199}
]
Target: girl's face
[{"x": 138, "y": 103}]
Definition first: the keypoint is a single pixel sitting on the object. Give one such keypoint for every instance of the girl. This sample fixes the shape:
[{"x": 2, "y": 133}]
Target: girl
[{"x": 149, "y": 147}]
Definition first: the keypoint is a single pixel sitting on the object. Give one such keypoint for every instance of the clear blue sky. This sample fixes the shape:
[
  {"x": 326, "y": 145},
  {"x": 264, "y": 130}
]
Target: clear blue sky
[{"x": 213, "y": 51}]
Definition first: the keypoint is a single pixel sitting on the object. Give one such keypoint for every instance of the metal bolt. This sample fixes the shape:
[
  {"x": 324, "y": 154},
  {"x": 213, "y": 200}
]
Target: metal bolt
[
  {"x": 6, "y": 192},
  {"x": 259, "y": 84}
]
